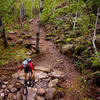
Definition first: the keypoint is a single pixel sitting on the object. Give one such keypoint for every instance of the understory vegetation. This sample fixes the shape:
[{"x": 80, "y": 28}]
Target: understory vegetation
[{"x": 70, "y": 24}]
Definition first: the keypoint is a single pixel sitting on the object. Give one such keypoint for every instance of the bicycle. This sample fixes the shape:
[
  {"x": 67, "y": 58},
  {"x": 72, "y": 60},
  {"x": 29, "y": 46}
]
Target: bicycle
[{"x": 27, "y": 84}]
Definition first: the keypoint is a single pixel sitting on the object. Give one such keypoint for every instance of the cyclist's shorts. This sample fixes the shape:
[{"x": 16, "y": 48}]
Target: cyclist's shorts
[{"x": 27, "y": 69}]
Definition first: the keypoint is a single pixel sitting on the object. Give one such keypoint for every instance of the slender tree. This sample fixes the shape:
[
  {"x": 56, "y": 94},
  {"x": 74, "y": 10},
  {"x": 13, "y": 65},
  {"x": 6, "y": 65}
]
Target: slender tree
[
  {"x": 3, "y": 33},
  {"x": 94, "y": 35},
  {"x": 76, "y": 17},
  {"x": 20, "y": 13},
  {"x": 38, "y": 30},
  {"x": 32, "y": 9}
]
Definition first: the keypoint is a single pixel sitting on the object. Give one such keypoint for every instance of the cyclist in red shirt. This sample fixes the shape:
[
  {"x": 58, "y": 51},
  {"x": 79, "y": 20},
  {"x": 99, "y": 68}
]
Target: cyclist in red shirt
[{"x": 27, "y": 65}]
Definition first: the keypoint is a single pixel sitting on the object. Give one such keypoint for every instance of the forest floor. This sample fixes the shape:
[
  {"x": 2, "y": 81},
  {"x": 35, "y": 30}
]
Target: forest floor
[{"x": 50, "y": 57}]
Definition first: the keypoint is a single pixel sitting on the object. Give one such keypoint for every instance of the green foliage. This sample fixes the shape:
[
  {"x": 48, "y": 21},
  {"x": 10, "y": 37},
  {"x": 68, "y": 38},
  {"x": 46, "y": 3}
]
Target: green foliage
[
  {"x": 17, "y": 26},
  {"x": 69, "y": 39},
  {"x": 78, "y": 64},
  {"x": 95, "y": 61}
]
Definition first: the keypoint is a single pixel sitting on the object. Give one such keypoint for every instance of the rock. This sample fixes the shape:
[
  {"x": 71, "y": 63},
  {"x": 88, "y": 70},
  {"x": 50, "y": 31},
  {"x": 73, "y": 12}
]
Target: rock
[
  {"x": 53, "y": 83},
  {"x": 56, "y": 74},
  {"x": 31, "y": 20},
  {"x": 41, "y": 68},
  {"x": 2, "y": 95},
  {"x": 31, "y": 93},
  {"x": 18, "y": 85},
  {"x": 6, "y": 92},
  {"x": 98, "y": 98},
  {"x": 41, "y": 91},
  {"x": 40, "y": 75},
  {"x": 59, "y": 94},
  {"x": 12, "y": 37},
  {"x": 3, "y": 86},
  {"x": 66, "y": 49},
  {"x": 5, "y": 83},
  {"x": 61, "y": 99},
  {"x": 28, "y": 53},
  {"x": 24, "y": 33},
  {"x": 12, "y": 32},
  {"x": 13, "y": 90},
  {"x": 11, "y": 97},
  {"x": 50, "y": 93},
  {"x": 20, "y": 94},
  {"x": 39, "y": 98},
  {"x": 10, "y": 86},
  {"x": 19, "y": 41},
  {"x": 48, "y": 38}
]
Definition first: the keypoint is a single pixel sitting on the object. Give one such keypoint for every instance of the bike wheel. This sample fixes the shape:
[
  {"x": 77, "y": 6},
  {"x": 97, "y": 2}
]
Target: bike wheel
[{"x": 25, "y": 91}]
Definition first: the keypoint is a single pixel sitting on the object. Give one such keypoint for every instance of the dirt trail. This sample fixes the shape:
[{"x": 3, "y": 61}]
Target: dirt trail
[{"x": 51, "y": 57}]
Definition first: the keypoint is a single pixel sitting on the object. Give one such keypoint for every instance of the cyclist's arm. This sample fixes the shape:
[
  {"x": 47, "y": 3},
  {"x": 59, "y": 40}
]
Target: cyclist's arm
[{"x": 20, "y": 70}]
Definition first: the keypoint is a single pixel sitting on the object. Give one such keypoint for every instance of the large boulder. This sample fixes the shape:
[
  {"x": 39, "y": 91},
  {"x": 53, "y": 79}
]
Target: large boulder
[
  {"x": 40, "y": 75},
  {"x": 53, "y": 83},
  {"x": 56, "y": 74},
  {"x": 66, "y": 49},
  {"x": 41, "y": 68}
]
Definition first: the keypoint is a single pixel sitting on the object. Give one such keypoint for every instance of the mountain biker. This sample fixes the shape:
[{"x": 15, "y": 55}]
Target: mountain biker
[{"x": 27, "y": 65}]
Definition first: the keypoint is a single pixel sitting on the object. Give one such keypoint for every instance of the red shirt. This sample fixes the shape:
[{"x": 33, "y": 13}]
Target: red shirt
[{"x": 30, "y": 65}]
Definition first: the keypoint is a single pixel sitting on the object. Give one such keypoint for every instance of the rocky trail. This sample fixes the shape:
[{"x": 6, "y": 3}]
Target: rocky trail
[{"x": 55, "y": 74}]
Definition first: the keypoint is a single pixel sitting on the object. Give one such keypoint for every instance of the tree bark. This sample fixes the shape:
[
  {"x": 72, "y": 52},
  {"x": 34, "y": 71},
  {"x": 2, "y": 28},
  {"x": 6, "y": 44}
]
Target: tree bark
[
  {"x": 20, "y": 13},
  {"x": 38, "y": 30},
  {"x": 76, "y": 17},
  {"x": 32, "y": 9},
  {"x": 94, "y": 35},
  {"x": 3, "y": 34}
]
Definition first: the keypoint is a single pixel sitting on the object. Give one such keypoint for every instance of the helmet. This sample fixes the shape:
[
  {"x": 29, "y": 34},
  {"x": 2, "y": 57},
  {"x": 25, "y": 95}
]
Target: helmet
[
  {"x": 29, "y": 59},
  {"x": 25, "y": 63}
]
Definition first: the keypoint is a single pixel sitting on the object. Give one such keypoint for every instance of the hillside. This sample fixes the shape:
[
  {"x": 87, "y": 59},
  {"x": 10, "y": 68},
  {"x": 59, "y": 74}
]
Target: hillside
[{"x": 62, "y": 37}]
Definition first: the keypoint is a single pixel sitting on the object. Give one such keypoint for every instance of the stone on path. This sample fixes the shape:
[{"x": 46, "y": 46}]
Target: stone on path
[
  {"x": 3, "y": 86},
  {"x": 56, "y": 74},
  {"x": 40, "y": 75},
  {"x": 11, "y": 97},
  {"x": 41, "y": 68},
  {"x": 39, "y": 98},
  {"x": 41, "y": 91},
  {"x": 31, "y": 93},
  {"x": 50, "y": 93},
  {"x": 53, "y": 83},
  {"x": 13, "y": 89}
]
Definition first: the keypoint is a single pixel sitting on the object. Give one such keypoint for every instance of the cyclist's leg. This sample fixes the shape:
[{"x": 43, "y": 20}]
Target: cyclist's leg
[
  {"x": 25, "y": 74},
  {"x": 33, "y": 75}
]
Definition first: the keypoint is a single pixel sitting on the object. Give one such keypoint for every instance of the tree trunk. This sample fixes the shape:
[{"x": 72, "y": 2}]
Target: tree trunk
[
  {"x": 94, "y": 35},
  {"x": 32, "y": 9},
  {"x": 3, "y": 34},
  {"x": 20, "y": 13},
  {"x": 76, "y": 17},
  {"x": 38, "y": 30}
]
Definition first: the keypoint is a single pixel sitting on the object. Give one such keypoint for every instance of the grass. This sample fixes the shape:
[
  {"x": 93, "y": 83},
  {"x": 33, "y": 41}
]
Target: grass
[{"x": 12, "y": 53}]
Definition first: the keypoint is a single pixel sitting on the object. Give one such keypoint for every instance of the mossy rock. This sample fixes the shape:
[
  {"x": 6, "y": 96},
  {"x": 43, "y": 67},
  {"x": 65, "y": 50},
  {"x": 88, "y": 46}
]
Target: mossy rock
[
  {"x": 51, "y": 34},
  {"x": 79, "y": 48},
  {"x": 67, "y": 49},
  {"x": 28, "y": 36},
  {"x": 69, "y": 40},
  {"x": 48, "y": 38}
]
